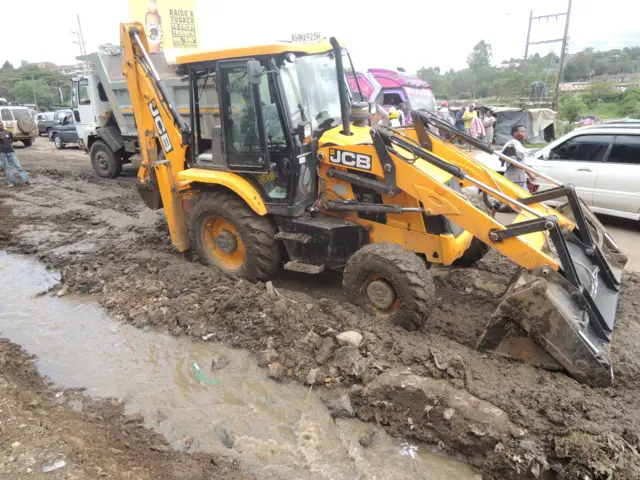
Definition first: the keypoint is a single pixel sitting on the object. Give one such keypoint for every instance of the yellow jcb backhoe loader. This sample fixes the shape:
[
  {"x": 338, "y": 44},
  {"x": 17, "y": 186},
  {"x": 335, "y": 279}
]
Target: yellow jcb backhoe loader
[{"x": 291, "y": 172}]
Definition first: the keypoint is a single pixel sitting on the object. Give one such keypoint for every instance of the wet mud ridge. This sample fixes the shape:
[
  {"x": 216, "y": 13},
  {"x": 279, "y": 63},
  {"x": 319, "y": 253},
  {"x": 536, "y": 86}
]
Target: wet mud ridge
[{"x": 508, "y": 419}]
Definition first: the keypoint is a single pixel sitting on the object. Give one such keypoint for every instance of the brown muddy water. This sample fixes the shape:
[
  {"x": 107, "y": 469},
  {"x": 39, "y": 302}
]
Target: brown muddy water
[{"x": 275, "y": 430}]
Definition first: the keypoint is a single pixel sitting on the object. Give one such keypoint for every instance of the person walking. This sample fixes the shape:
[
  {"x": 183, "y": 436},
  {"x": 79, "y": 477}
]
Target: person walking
[
  {"x": 445, "y": 114},
  {"x": 488, "y": 121},
  {"x": 10, "y": 159},
  {"x": 467, "y": 116},
  {"x": 402, "y": 113}
]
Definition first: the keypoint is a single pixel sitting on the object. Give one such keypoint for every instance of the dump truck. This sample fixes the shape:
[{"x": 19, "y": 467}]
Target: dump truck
[
  {"x": 294, "y": 176},
  {"x": 104, "y": 115}
]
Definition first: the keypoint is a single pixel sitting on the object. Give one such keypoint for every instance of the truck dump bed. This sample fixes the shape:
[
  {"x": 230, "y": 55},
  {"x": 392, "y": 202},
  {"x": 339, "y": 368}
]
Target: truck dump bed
[{"x": 108, "y": 68}]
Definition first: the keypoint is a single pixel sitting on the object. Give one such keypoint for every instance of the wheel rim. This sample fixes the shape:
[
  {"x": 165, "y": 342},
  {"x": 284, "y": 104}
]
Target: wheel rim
[
  {"x": 58, "y": 142},
  {"x": 223, "y": 244},
  {"x": 381, "y": 295},
  {"x": 102, "y": 161}
]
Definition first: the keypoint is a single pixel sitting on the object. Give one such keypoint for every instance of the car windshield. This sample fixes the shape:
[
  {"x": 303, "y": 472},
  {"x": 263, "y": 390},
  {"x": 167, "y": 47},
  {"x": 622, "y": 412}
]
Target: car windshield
[
  {"x": 311, "y": 87},
  {"x": 421, "y": 98}
]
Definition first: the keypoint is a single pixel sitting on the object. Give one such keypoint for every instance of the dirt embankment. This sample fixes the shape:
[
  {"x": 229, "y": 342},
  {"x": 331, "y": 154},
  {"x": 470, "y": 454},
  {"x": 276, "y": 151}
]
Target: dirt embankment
[{"x": 509, "y": 419}]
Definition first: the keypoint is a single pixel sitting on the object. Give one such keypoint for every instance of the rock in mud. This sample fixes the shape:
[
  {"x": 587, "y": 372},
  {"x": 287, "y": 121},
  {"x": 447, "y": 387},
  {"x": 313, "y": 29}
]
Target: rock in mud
[
  {"x": 351, "y": 338},
  {"x": 349, "y": 361},
  {"x": 325, "y": 351},
  {"x": 219, "y": 362},
  {"x": 313, "y": 377},
  {"x": 223, "y": 435},
  {"x": 338, "y": 404},
  {"x": 277, "y": 371},
  {"x": 280, "y": 308},
  {"x": 265, "y": 357},
  {"x": 368, "y": 438}
]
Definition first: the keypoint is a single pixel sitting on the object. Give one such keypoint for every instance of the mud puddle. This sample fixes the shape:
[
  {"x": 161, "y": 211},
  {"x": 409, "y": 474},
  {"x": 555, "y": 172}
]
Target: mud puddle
[{"x": 275, "y": 430}]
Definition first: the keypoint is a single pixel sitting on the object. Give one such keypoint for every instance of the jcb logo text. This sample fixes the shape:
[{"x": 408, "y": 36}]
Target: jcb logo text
[
  {"x": 162, "y": 131},
  {"x": 350, "y": 159}
]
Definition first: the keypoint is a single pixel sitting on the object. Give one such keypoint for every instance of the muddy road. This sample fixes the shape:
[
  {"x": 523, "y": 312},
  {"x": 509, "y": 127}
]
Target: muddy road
[{"x": 506, "y": 419}]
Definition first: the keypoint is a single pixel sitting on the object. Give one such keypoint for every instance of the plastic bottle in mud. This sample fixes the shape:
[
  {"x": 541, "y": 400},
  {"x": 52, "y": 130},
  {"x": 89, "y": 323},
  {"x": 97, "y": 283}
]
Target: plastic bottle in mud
[{"x": 153, "y": 27}]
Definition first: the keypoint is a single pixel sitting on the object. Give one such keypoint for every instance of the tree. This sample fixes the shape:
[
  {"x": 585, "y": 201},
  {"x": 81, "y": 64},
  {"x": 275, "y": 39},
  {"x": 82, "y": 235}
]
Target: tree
[
  {"x": 480, "y": 56},
  {"x": 6, "y": 66},
  {"x": 24, "y": 63},
  {"x": 571, "y": 108},
  {"x": 45, "y": 95}
]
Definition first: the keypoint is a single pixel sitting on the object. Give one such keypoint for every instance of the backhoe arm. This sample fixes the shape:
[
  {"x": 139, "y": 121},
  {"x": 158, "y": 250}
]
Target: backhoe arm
[{"x": 163, "y": 135}]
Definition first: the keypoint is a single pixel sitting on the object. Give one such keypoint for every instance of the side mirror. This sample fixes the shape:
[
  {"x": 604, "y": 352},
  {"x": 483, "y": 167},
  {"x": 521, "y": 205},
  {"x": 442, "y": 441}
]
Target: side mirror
[{"x": 255, "y": 71}]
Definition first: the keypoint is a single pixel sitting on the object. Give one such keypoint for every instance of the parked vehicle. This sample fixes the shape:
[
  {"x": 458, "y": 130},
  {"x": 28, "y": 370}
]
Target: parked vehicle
[
  {"x": 45, "y": 122},
  {"x": 65, "y": 132},
  {"x": 21, "y": 122},
  {"x": 390, "y": 88},
  {"x": 104, "y": 117},
  {"x": 603, "y": 162}
]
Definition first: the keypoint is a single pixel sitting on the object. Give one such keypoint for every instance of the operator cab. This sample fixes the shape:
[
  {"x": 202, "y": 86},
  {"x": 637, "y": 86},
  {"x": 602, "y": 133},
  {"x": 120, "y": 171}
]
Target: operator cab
[{"x": 274, "y": 101}]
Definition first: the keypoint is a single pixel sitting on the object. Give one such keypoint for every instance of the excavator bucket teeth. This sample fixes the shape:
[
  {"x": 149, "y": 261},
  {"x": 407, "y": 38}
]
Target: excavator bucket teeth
[{"x": 554, "y": 321}]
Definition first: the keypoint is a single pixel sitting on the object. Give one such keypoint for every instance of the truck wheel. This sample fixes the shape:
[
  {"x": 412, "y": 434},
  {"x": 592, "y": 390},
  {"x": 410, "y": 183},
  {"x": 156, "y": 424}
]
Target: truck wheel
[
  {"x": 27, "y": 143},
  {"x": 57, "y": 141},
  {"x": 104, "y": 161},
  {"x": 473, "y": 254},
  {"x": 226, "y": 233},
  {"x": 49, "y": 134},
  {"x": 391, "y": 283}
]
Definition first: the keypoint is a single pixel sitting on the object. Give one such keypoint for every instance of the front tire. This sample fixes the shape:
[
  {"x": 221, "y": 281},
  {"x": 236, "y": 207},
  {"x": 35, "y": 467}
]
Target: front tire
[
  {"x": 27, "y": 143},
  {"x": 104, "y": 161},
  {"x": 391, "y": 283},
  {"x": 228, "y": 234},
  {"x": 57, "y": 141}
]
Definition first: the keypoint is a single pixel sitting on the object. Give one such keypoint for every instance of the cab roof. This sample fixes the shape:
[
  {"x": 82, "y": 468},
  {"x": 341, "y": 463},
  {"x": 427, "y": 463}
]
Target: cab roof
[{"x": 254, "y": 51}]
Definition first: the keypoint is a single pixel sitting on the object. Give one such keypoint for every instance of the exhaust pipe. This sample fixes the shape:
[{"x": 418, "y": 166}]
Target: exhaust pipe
[{"x": 342, "y": 85}]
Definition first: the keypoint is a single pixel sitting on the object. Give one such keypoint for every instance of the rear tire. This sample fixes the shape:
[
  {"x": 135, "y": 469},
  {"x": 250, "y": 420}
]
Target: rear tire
[
  {"x": 476, "y": 252},
  {"x": 27, "y": 143},
  {"x": 385, "y": 268},
  {"x": 104, "y": 161},
  {"x": 49, "y": 136},
  {"x": 228, "y": 234},
  {"x": 57, "y": 141}
]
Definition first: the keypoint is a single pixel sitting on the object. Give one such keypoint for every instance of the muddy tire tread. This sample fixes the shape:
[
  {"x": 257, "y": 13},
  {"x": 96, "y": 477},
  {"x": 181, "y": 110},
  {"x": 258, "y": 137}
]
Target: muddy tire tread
[
  {"x": 262, "y": 250},
  {"x": 413, "y": 281}
]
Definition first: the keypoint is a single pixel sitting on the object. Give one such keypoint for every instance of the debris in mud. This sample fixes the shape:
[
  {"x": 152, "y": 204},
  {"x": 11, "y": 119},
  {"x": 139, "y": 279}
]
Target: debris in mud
[
  {"x": 368, "y": 438},
  {"x": 223, "y": 435},
  {"x": 57, "y": 465},
  {"x": 265, "y": 357},
  {"x": 276, "y": 371},
  {"x": 338, "y": 403},
  {"x": 351, "y": 338}
]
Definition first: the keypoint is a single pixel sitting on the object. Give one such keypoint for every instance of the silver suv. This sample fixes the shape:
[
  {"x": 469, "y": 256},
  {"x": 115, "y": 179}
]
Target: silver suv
[{"x": 21, "y": 122}]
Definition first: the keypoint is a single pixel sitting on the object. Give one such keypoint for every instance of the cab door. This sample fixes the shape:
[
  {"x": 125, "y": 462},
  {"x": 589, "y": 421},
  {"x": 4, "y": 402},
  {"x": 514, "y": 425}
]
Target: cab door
[
  {"x": 82, "y": 99},
  {"x": 244, "y": 138}
]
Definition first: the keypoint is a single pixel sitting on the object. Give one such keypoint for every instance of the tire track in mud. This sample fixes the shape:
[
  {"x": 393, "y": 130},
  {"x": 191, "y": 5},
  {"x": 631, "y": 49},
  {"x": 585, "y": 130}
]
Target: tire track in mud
[{"x": 416, "y": 384}]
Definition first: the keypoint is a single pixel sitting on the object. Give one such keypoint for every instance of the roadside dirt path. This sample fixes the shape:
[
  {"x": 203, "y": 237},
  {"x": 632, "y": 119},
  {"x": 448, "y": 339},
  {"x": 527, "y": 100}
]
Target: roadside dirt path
[{"x": 508, "y": 419}]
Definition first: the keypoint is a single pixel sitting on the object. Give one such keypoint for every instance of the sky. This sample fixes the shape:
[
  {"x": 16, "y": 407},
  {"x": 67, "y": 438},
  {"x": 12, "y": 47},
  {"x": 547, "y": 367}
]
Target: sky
[{"x": 420, "y": 33}]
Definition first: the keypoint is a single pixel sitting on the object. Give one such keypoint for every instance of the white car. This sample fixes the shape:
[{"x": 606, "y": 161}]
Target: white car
[{"x": 602, "y": 161}]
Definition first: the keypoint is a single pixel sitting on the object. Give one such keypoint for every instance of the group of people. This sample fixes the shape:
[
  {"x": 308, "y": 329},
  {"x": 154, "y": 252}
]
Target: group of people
[
  {"x": 469, "y": 122},
  {"x": 10, "y": 159}
]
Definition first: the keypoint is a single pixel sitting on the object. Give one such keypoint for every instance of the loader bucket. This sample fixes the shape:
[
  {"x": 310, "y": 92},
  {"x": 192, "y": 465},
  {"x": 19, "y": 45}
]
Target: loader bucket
[{"x": 564, "y": 319}]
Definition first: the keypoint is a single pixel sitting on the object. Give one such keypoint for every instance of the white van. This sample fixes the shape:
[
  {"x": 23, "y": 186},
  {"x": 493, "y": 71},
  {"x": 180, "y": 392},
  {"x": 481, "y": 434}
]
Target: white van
[{"x": 21, "y": 122}]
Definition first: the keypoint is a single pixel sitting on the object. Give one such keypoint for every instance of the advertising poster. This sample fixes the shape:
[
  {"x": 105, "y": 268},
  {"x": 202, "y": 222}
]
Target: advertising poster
[{"x": 168, "y": 23}]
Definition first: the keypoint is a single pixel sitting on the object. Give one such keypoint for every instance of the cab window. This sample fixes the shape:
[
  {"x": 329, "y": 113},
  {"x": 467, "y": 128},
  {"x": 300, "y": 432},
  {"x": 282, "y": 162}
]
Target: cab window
[
  {"x": 6, "y": 116},
  {"x": 83, "y": 92}
]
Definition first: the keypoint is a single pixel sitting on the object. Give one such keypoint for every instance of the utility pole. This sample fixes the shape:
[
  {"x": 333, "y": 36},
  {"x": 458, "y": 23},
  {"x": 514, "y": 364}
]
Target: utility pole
[
  {"x": 562, "y": 54},
  {"x": 526, "y": 55},
  {"x": 555, "y": 16},
  {"x": 84, "y": 48}
]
